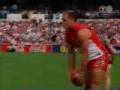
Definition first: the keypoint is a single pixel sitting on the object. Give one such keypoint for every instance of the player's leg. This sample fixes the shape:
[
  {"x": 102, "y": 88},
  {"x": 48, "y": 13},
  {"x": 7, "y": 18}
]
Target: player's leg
[
  {"x": 96, "y": 70},
  {"x": 107, "y": 83},
  {"x": 94, "y": 78},
  {"x": 108, "y": 77}
]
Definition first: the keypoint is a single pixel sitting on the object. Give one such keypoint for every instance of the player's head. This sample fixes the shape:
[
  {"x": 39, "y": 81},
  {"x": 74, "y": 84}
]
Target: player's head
[{"x": 69, "y": 17}]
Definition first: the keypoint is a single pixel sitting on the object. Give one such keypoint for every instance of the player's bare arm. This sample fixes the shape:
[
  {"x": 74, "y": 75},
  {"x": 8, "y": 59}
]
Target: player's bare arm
[
  {"x": 84, "y": 36},
  {"x": 71, "y": 58}
]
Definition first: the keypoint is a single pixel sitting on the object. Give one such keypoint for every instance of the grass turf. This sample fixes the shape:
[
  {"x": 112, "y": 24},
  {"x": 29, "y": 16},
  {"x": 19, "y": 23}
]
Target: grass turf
[{"x": 36, "y": 71}]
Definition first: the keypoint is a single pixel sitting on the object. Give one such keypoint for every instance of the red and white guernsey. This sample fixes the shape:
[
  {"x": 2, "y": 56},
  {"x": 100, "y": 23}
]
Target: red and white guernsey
[{"x": 96, "y": 48}]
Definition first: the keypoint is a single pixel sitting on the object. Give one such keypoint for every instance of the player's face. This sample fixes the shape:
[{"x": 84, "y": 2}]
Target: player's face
[{"x": 66, "y": 20}]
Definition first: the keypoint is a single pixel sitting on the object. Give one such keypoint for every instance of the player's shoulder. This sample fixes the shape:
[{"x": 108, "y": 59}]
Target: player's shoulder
[{"x": 79, "y": 26}]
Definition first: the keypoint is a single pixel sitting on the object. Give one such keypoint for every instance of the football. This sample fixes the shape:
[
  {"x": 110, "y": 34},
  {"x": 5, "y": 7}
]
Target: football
[{"x": 77, "y": 78}]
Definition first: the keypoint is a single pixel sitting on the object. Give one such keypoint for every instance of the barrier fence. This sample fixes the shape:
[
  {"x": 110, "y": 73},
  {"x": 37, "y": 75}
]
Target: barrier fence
[{"x": 43, "y": 48}]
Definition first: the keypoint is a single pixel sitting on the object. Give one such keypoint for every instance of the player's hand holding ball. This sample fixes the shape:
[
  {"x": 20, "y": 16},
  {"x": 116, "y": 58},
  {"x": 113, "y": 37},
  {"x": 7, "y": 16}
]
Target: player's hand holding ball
[{"x": 77, "y": 77}]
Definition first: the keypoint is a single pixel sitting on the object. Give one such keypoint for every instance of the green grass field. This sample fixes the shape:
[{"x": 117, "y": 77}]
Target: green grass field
[{"x": 36, "y": 71}]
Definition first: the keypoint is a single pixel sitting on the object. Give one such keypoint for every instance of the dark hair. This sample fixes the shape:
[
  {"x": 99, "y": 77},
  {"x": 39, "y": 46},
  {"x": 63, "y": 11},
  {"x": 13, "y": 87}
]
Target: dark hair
[{"x": 72, "y": 14}]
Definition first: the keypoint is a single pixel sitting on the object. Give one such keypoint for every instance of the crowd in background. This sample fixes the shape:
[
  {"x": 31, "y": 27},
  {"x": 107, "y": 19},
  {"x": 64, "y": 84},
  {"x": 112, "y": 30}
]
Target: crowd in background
[
  {"x": 38, "y": 32},
  {"x": 107, "y": 29},
  {"x": 31, "y": 32}
]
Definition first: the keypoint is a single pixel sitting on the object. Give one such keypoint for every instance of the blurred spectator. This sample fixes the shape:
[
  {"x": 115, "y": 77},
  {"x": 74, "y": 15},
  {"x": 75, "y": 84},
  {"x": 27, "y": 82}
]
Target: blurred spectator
[{"x": 14, "y": 8}]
